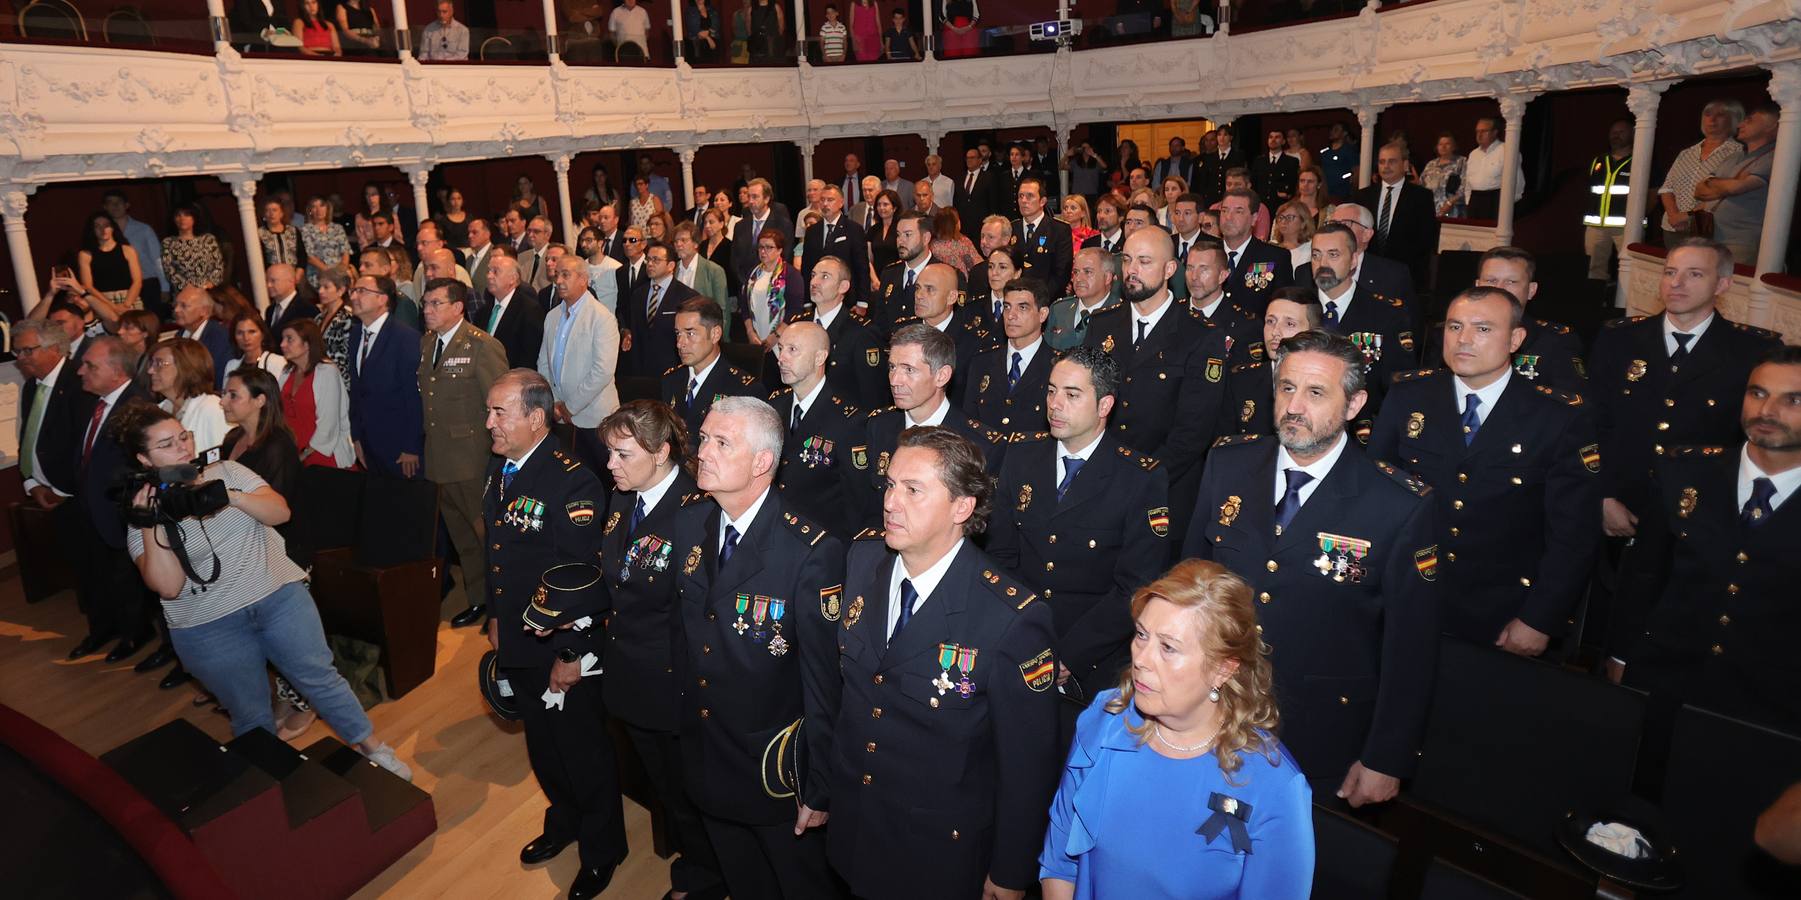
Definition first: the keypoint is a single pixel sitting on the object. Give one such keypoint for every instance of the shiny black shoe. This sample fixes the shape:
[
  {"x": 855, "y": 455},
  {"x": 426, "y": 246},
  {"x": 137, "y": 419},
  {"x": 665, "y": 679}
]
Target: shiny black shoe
[
  {"x": 164, "y": 655},
  {"x": 590, "y": 882},
  {"x": 125, "y": 650},
  {"x": 471, "y": 616},
  {"x": 541, "y": 848},
  {"x": 177, "y": 677},
  {"x": 89, "y": 646}
]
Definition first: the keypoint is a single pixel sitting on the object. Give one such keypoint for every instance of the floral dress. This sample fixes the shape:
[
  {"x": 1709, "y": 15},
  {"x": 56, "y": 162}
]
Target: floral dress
[
  {"x": 327, "y": 242},
  {"x": 194, "y": 260}
]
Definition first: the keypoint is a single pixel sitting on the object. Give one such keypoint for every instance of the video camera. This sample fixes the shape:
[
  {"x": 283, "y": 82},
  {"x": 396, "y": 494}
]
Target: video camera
[{"x": 172, "y": 496}]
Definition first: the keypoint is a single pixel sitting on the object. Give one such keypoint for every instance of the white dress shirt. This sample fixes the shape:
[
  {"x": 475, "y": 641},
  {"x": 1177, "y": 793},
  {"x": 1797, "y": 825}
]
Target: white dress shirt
[
  {"x": 1785, "y": 482},
  {"x": 1486, "y": 398},
  {"x": 742, "y": 523},
  {"x": 1063, "y": 453},
  {"x": 1319, "y": 470},
  {"x": 924, "y": 583},
  {"x": 936, "y": 418},
  {"x": 653, "y": 495},
  {"x": 1152, "y": 319},
  {"x": 1482, "y": 172}
]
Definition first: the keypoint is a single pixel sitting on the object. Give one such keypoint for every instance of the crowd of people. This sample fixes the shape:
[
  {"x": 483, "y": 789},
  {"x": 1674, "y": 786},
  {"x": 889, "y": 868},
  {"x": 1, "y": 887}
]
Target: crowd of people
[{"x": 956, "y": 523}]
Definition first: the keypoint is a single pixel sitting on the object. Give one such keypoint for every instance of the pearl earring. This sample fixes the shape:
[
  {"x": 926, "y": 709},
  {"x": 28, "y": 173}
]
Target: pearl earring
[{"x": 1213, "y": 695}]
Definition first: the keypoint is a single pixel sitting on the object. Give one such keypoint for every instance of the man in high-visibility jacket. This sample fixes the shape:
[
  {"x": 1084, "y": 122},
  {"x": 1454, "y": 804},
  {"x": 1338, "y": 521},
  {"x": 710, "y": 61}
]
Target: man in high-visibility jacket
[{"x": 1609, "y": 177}]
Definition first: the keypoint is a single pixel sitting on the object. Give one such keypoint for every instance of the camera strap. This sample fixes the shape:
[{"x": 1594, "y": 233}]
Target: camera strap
[{"x": 178, "y": 546}]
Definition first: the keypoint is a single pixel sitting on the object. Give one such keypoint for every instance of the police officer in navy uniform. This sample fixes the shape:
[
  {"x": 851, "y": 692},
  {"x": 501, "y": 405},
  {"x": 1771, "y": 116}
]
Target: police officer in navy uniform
[
  {"x": 1340, "y": 552},
  {"x": 1204, "y": 273},
  {"x": 938, "y": 301},
  {"x": 1174, "y": 364},
  {"x": 1376, "y": 324},
  {"x": 894, "y": 295},
  {"x": 704, "y": 375},
  {"x": 1513, "y": 467},
  {"x": 759, "y": 599},
  {"x": 1006, "y": 389},
  {"x": 946, "y": 752},
  {"x": 1551, "y": 354},
  {"x": 1043, "y": 244},
  {"x": 1722, "y": 629},
  {"x": 920, "y": 361},
  {"x": 816, "y": 476},
  {"x": 1250, "y": 390},
  {"x": 856, "y": 369},
  {"x": 1258, "y": 267},
  {"x": 648, "y": 458},
  {"x": 1084, "y": 520},
  {"x": 542, "y": 508}
]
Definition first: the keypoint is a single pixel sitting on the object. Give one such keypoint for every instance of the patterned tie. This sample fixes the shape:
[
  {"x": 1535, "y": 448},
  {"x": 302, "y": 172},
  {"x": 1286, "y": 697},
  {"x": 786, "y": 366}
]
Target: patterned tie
[
  {"x": 363, "y": 355},
  {"x": 1029, "y": 230},
  {"x": 506, "y": 475},
  {"x": 1331, "y": 317},
  {"x": 907, "y": 282},
  {"x": 87, "y": 443},
  {"x": 1291, "y": 498},
  {"x": 908, "y": 597},
  {"x": 1388, "y": 210},
  {"x": 1471, "y": 422},
  {"x": 730, "y": 546},
  {"x": 1757, "y": 509},
  {"x": 1681, "y": 354},
  {"x": 1013, "y": 373},
  {"x": 693, "y": 385},
  {"x": 637, "y": 516},
  {"x": 997, "y": 310},
  {"x": 656, "y": 300},
  {"x": 1071, "y": 465}
]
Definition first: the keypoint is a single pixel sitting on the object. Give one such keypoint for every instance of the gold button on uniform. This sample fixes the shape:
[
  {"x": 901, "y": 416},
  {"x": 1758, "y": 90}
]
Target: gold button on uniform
[
  {"x": 1456, "y": 504},
  {"x": 956, "y": 835},
  {"x": 705, "y": 713},
  {"x": 934, "y": 702},
  {"x": 1718, "y": 650},
  {"x": 1462, "y": 477},
  {"x": 1663, "y": 426},
  {"x": 1732, "y": 589},
  {"x": 878, "y": 679},
  {"x": 1450, "y": 557},
  {"x": 1344, "y": 701},
  {"x": 867, "y": 779},
  {"x": 869, "y": 747},
  {"x": 875, "y": 713},
  {"x": 703, "y": 682},
  {"x": 1052, "y": 539},
  {"x": 1525, "y": 582},
  {"x": 706, "y": 648},
  {"x": 1263, "y": 597},
  {"x": 1725, "y": 620},
  {"x": 1271, "y": 565},
  {"x": 1455, "y": 531},
  {"x": 1050, "y": 567}
]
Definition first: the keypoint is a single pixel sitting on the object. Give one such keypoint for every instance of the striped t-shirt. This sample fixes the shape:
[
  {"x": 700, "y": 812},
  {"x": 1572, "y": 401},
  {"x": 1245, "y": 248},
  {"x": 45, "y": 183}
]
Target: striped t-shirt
[
  {"x": 251, "y": 558},
  {"x": 832, "y": 36}
]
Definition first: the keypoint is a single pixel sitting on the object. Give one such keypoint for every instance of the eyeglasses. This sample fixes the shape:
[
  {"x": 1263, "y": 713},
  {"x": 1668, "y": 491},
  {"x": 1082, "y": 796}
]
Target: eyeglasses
[
  {"x": 182, "y": 438},
  {"x": 633, "y": 240},
  {"x": 364, "y": 290},
  {"x": 21, "y": 351},
  {"x": 162, "y": 362},
  {"x": 438, "y": 304},
  {"x": 1288, "y": 217}
]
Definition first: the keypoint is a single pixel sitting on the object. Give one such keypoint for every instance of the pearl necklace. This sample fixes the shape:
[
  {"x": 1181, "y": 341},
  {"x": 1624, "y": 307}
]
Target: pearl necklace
[{"x": 1157, "y": 730}]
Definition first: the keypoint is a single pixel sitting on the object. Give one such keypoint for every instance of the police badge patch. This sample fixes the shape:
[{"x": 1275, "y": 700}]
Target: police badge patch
[
  {"x": 1215, "y": 369},
  {"x": 1039, "y": 671},
  {"x": 830, "y": 600},
  {"x": 873, "y": 357},
  {"x": 859, "y": 457},
  {"x": 1416, "y": 424},
  {"x": 1158, "y": 518},
  {"x": 693, "y": 562},
  {"x": 612, "y": 523},
  {"x": 580, "y": 512}
]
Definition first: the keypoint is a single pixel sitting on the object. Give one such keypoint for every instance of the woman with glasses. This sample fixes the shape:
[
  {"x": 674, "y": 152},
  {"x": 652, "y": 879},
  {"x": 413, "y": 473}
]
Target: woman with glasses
[
  {"x": 255, "y": 610},
  {"x": 772, "y": 289},
  {"x": 644, "y": 203},
  {"x": 1293, "y": 231},
  {"x": 334, "y": 318},
  {"x": 181, "y": 375}
]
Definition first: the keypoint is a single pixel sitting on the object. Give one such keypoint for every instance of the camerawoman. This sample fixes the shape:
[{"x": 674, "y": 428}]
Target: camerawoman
[{"x": 204, "y": 539}]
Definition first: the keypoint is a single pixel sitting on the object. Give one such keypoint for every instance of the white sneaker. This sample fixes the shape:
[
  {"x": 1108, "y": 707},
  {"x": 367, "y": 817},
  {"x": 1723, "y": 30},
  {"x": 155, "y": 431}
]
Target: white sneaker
[{"x": 384, "y": 756}]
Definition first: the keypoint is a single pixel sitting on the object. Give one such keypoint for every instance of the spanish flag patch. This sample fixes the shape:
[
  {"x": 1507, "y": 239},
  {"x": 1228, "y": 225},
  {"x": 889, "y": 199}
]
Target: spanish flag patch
[
  {"x": 1426, "y": 561},
  {"x": 1159, "y": 520},
  {"x": 1039, "y": 671}
]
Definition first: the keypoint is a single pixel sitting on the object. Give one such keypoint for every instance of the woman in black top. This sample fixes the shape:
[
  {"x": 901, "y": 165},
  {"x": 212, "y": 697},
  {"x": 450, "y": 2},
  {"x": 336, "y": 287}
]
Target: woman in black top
[
  {"x": 260, "y": 440},
  {"x": 881, "y": 238}
]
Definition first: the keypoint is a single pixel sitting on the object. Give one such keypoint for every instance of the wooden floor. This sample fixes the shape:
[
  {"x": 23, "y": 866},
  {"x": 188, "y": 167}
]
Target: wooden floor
[{"x": 488, "y": 803}]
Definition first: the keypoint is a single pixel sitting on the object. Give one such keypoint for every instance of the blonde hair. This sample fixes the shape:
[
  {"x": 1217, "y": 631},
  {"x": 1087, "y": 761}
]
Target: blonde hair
[
  {"x": 1081, "y": 203},
  {"x": 1306, "y": 216},
  {"x": 1229, "y": 631}
]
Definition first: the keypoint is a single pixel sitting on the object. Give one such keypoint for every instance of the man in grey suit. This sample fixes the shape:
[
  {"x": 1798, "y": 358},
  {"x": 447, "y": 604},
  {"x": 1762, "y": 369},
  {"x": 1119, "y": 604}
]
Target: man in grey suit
[
  {"x": 1094, "y": 279},
  {"x": 579, "y": 357},
  {"x": 478, "y": 255},
  {"x": 532, "y": 262},
  {"x": 863, "y": 211}
]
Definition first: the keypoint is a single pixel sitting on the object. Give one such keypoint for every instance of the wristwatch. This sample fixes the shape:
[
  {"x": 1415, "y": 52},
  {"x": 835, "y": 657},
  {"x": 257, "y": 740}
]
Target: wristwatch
[{"x": 567, "y": 655}]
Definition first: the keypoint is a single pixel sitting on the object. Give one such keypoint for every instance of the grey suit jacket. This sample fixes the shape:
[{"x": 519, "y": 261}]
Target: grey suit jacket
[
  {"x": 478, "y": 272},
  {"x": 1062, "y": 330},
  {"x": 538, "y": 280}
]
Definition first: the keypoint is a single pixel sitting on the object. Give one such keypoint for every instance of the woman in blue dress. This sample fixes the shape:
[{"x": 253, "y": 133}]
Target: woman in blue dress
[{"x": 1176, "y": 786}]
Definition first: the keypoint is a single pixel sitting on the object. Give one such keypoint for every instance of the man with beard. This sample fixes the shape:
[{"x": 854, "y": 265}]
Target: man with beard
[
  {"x": 1377, "y": 326},
  {"x": 1339, "y": 552},
  {"x": 894, "y": 299}
]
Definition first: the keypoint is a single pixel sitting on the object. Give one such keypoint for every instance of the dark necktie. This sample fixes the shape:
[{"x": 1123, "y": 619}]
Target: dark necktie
[
  {"x": 1071, "y": 465},
  {"x": 969, "y": 183},
  {"x": 506, "y": 475},
  {"x": 1029, "y": 230},
  {"x": 907, "y": 282},
  {"x": 1388, "y": 210},
  {"x": 1471, "y": 422},
  {"x": 637, "y": 516},
  {"x": 1232, "y": 261},
  {"x": 997, "y": 310},
  {"x": 693, "y": 385},
  {"x": 87, "y": 443},
  {"x": 795, "y": 424},
  {"x": 1013, "y": 373},
  {"x": 730, "y": 546},
  {"x": 1757, "y": 509},
  {"x": 1182, "y": 253},
  {"x": 908, "y": 597},
  {"x": 1082, "y": 323},
  {"x": 437, "y": 352},
  {"x": 1142, "y": 325},
  {"x": 1331, "y": 317},
  {"x": 1681, "y": 354},
  {"x": 1291, "y": 498},
  {"x": 274, "y": 313}
]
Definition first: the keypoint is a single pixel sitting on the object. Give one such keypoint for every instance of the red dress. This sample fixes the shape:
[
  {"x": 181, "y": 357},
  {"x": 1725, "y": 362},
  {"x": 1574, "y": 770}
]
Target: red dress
[{"x": 303, "y": 418}]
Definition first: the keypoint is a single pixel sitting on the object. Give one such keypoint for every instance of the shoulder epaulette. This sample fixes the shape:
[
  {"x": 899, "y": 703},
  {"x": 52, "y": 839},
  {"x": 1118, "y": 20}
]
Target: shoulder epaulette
[
  {"x": 1564, "y": 397},
  {"x": 1623, "y": 322},
  {"x": 570, "y": 463},
  {"x": 1147, "y": 463},
  {"x": 1020, "y": 437},
  {"x": 671, "y": 370},
  {"x": 1410, "y": 375},
  {"x": 1404, "y": 479},
  {"x": 876, "y": 412},
  {"x": 696, "y": 497},
  {"x": 1694, "y": 451},
  {"x": 1395, "y": 302},
  {"x": 1010, "y": 591},
  {"x": 850, "y": 410},
  {"x": 748, "y": 380},
  {"x": 893, "y": 265},
  {"x": 997, "y": 438},
  {"x": 870, "y": 534},
  {"x": 1115, "y": 309},
  {"x": 1754, "y": 330},
  {"x": 1231, "y": 440},
  {"x": 781, "y": 393},
  {"x": 1553, "y": 327},
  {"x": 1249, "y": 367},
  {"x": 808, "y": 531}
]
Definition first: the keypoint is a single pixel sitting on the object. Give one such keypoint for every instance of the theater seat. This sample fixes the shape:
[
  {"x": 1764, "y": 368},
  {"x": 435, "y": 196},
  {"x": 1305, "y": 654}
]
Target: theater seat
[
  {"x": 1353, "y": 861},
  {"x": 43, "y": 567},
  {"x": 1722, "y": 773},
  {"x": 1445, "y": 881}
]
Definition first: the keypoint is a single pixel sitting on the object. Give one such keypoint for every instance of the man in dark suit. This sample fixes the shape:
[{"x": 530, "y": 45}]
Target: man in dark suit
[
  {"x": 698, "y": 212},
  {"x": 759, "y": 213},
  {"x": 976, "y": 193},
  {"x": 193, "y": 313},
  {"x": 648, "y": 453},
  {"x": 1512, "y": 468},
  {"x": 1406, "y": 222},
  {"x": 704, "y": 376},
  {"x": 514, "y": 317},
  {"x": 285, "y": 303},
  {"x": 1205, "y": 273},
  {"x": 757, "y": 601},
  {"x": 1019, "y": 168},
  {"x": 836, "y": 235},
  {"x": 816, "y": 475},
  {"x": 1044, "y": 246},
  {"x": 893, "y": 298},
  {"x": 253, "y": 22},
  {"x": 1005, "y": 384},
  {"x": 647, "y": 317},
  {"x": 1274, "y": 173},
  {"x": 855, "y": 367},
  {"x": 612, "y": 239},
  {"x": 108, "y": 587},
  {"x": 630, "y": 274},
  {"x": 53, "y": 412},
  {"x": 1174, "y": 365},
  {"x": 1258, "y": 267},
  {"x": 542, "y": 503},
  {"x": 1340, "y": 554},
  {"x": 1376, "y": 325},
  {"x": 386, "y": 423},
  {"x": 947, "y": 702},
  {"x": 1216, "y": 164},
  {"x": 936, "y": 303},
  {"x": 1084, "y": 521}
]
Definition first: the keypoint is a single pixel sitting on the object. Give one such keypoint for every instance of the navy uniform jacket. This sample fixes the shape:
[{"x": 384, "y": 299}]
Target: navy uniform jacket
[
  {"x": 386, "y": 415},
  {"x": 1642, "y": 407},
  {"x": 933, "y": 792},
  {"x": 1262, "y": 268},
  {"x": 1243, "y": 330},
  {"x": 817, "y": 478},
  {"x": 1378, "y": 274},
  {"x": 857, "y": 367},
  {"x": 725, "y": 380},
  {"x": 893, "y": 300},
  {"x": 1086, "y": 553},
  {"x": 742, "y": 690},
  {"x": 1518, "y": 508},
  {"x": 1550, "y": 355},
  {"x": 548, "y": 516},
  {"x": 884, "y": 427},
  {"x": 968, "y": 328},
  {"x": 1049, "y": 255},
  {"x": 640, "y": 686},
  {"x": 1722, "y": 630},
  {"x": 1377, "y": 324},
  {"x": 1250, "y": 399},
  {"x": 1354, "y": 659},
  {"x": 988, "y": 400}
]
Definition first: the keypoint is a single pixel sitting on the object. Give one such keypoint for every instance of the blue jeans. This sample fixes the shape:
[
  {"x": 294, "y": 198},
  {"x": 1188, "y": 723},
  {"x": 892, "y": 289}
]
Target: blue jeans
[{"x": 231, "y": 656}]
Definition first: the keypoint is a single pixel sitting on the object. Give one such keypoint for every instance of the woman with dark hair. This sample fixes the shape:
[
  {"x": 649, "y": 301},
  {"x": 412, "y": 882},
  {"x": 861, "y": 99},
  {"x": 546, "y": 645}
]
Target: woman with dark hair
[
  {"x": 250, "y": 334},
  {"x": 768, "y": 23},
  {"x": 181, "y": 375},
  {"x": 191, "y": 254},
  {"x": 1125, "y": 160},
  {"x": 359, "y": 28},
  {"x": 1189, "y": 737},
  {"x": 333, "y": 318},
  {"x": 108, "y": 264},
  {"x": 771, "y": 290},
  {"x": 375, "y": 201},
  {"x": 882, "y": 252},
  {"x": 280, "y": 240},
  {"x": 716, "y": 244},
  {"x": 527, "y": 201},
  {"x": 235, "y": 602},
  {"x": 314, "y": 399},
  {"x": 949, "y": 245},
  {"x": 318, "y": 34},
  {"x": 600, "y": 188},
  {"x": 453, "y": 222},
  {"x": 660, "y": 227}
]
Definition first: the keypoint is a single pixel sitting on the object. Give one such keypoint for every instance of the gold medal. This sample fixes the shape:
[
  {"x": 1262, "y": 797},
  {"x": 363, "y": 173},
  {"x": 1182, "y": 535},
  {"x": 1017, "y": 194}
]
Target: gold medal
[
  {"x": 1107, "y": 344},
  {"x": 693, "y": 563},
  {"x": 1025, "y": 497},
  {"x": 1635, "y": 371},
  {"x": 1416, "y": 423},
  {"x": 1686, "y": 504},
  {"x": 854, "y": 613},
  {"x": 1228, "y": 511}
]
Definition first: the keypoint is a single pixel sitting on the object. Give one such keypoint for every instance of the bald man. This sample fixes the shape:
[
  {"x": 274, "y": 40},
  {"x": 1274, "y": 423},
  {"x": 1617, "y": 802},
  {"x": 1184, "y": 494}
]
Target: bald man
[
  {"x": 816, "y": 477},
  {"x": 856, "y": 369},
  {"x": 938, "y": 302},
  {"x": 285, "y": 303},
  {"x": 512, "y": 313}
]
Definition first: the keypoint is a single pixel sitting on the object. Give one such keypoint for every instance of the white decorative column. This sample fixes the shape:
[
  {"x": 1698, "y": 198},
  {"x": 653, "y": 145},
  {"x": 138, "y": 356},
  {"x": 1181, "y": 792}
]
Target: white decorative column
[
  {"x": 403, "y": 36},
  {"x": 217, "y": 25},
  {"x": 419, "y": 176},
  {"x": 928, "y": 34},
  {"x": 687, "y": 154},
  {"x": 1366, "y": 143},
  {"x": 243, "y": 187},
  {"x": 1513, "y": 109},
  {"x": 800, "y": 29},
  {"x": 560, "y": 162},
  {"x": 807, "y": 146},
  {"x": 1785, "y": 90},
  {"x": 551, "y": 43},
  {"x": 16, "y": 198},
  {"x": 675, "y": 25},
  {"x": 933, "y": 139},
  {"x": 1642, "y": 100},
  {"x": 1063, "y": 132}
]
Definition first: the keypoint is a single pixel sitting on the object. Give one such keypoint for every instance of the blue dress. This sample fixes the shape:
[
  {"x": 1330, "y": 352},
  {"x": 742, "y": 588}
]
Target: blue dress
[{"x": 1125, "y": 820}]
